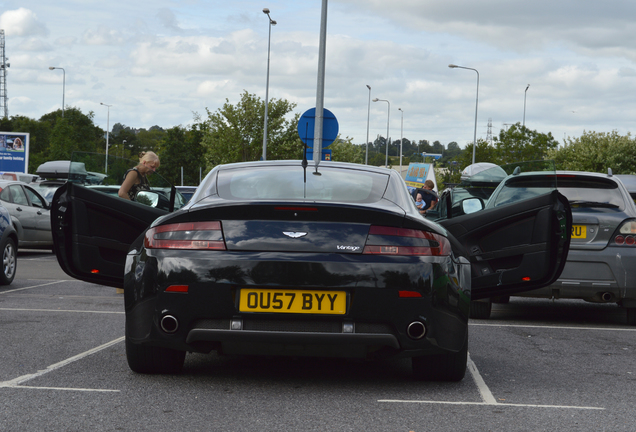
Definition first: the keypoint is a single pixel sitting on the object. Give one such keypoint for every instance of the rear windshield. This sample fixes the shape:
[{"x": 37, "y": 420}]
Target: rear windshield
[
  {"x": 591, "y": 193},
  {"x": 525, "y": 187},
  {"x": 287, "y": 183}
]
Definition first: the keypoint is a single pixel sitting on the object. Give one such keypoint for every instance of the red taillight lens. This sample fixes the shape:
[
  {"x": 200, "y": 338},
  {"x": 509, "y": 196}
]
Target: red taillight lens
[
  {"x": 626, "y": 233},
  {"x": 403, "y": 241},
  {"x": 186, "y": 235}
]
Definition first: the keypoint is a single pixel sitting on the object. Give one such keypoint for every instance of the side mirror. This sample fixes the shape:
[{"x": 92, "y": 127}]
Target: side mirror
[
  {"x": 151, "y": 199},
  {"x": 472, "y": 205}
]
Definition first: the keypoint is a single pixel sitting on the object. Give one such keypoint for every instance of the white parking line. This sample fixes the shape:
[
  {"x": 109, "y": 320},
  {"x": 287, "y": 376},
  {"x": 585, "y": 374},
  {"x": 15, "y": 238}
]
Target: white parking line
[
  {"x": 484, "y": 391},
  {"x": 31, "y": 287},
  {"x": 16, "y": 382},
  {"x": 555, "y": 327},
  {"x": 486, "y": 396},
  {"x": 61, "y": 310}
]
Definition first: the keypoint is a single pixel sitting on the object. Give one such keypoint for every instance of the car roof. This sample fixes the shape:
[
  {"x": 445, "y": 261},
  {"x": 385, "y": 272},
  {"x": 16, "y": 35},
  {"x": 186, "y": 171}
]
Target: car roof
[{"x": 60, "y": 169}]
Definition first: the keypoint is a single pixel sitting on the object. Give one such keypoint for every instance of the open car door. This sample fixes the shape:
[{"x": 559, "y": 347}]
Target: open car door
[
  {"x": 516, "y": 247},
  {"x": 93, "y": 231},
  {"x": 93, "y": 228}
]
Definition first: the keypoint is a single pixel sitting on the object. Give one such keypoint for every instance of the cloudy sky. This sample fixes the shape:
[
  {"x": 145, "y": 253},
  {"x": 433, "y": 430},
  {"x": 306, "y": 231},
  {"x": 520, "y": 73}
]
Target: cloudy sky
[{"x": 159, "y": 61}]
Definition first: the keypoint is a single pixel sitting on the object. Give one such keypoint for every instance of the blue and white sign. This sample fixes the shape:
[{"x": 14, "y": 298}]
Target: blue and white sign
[
  {"x": 14, "y": 152},
  {"x": 307, "y": 124}
]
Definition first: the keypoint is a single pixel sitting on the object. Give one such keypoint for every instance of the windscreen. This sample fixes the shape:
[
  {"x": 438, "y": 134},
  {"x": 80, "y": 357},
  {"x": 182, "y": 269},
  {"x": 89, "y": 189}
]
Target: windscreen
[{"x": 288, "y": 183}]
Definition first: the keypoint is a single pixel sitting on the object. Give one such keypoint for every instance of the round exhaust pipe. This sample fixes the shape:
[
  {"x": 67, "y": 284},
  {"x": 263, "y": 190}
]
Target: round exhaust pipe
[
  {"x": 169, "y": 324},
  {"x": 606, "y": 296},
  {"x": 416, "y": 330}
]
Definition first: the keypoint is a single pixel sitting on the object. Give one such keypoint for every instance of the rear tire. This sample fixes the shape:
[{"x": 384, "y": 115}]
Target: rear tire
[
  {"x": 9, "y": 262},
  {"x": 154, "y": 360},
  {"x": 480, "y": 309},
  {"x": 441, "y": 367}
]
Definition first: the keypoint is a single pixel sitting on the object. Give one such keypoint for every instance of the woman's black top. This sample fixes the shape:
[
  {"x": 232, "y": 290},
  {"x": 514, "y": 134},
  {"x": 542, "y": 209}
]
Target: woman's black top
[{"x": 136, "y": 187}]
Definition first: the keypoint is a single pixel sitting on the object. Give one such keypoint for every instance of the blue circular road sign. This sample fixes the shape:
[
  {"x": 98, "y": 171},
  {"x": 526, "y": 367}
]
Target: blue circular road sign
[{"x": 307, "y": 124}]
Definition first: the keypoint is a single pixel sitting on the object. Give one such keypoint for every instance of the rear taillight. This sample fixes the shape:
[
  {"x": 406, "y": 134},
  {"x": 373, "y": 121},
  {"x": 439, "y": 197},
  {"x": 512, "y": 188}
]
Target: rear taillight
[
  {"x": 186, "y": 235},
  {"x": 626, "y": 234},
  {"x": 403, "y": 241}
]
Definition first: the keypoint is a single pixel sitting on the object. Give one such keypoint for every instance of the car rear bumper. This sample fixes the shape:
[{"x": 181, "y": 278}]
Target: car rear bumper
[
  {"x": 376, "y": 322},
  {"x": 604, "y": 276}
]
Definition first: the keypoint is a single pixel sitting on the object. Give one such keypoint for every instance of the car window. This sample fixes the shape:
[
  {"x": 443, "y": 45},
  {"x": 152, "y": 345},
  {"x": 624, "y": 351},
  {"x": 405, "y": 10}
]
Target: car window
[
  {"x": 36, "y": 200},
  {"x": 524, "y": 187},
  {"x": 271, "y": 183},
  {"x": 18, "y": 196},
  {"x": 5, "y": 195}
]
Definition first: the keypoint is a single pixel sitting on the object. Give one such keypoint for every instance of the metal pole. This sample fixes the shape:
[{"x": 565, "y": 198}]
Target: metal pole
[
  {"x": 107, "y": 133},
  {"x": 388, "y": 116},
  {"x": 269, "y": 40},
  {"x": 320, "y": 88},
  {"x": 476, "y": 105},
  {"x": 401, "y": 137},
  {"x": 63, "y": 88},
  {"x": 366, "y": 157},
  {"x": 525, "y": 93},
  {"x": 63, "y": 84}
]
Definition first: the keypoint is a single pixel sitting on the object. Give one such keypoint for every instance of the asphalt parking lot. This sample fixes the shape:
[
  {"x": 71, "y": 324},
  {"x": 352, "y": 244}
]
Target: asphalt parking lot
[{"x": 536, "y": 365}]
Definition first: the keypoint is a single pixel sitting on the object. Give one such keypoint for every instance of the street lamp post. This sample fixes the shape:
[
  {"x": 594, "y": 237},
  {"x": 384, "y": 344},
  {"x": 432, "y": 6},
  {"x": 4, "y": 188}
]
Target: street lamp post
[
  {"x": 63, "y": 84},
  {"x": 366, "y": 157},
  {"x": 452, "y": 66},
  {"x": 388, "y": 116},
  {"x": 107, "y": 132},
  {"x": 525, "y": 93},
  {"x": 269, "y": 41},
  {"x": 123, "y": 147},
  {"x": 401, "y": 137}
]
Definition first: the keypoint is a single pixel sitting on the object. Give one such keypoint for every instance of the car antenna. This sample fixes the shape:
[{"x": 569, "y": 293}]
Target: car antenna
[{"x": 304, "y": 162}]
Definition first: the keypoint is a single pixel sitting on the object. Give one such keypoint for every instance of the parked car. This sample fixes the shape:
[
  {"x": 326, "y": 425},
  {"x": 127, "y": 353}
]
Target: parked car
[
  {"x": 187, "y": 192},
  {"x": 271, "y": 258},
  {"x": 8, "y": 247},
  {"x": 601, "y": 265},
  {"x": 29, "y": 214}
]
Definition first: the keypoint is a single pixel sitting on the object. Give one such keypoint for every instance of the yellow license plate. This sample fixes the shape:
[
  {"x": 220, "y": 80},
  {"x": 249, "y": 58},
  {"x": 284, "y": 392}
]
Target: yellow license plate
[
  {"x": 293, "y": 301},
  {"x": 579, "y": 232}
]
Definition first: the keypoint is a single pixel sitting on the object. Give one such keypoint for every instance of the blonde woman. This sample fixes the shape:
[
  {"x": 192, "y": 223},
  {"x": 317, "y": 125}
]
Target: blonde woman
[{"x": 135, "y": 179}]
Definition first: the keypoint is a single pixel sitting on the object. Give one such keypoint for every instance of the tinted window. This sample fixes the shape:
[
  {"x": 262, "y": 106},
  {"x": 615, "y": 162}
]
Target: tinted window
[
  {"x": 287, "y": 183},
  {"x": 589, "y": 192},
  {"x": 524, "y": 187}
]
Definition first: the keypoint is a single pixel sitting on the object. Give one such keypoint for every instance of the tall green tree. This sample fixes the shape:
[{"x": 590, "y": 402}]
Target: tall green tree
[
  {"x": 518, "y": 143},
  {"x": 234, "y": 133},
  {"x": 596, "y": 152},
  {"x": 181, "y": 148},
  {"x": 73, "y": 132},
  {"x": 343, "y": 150}
]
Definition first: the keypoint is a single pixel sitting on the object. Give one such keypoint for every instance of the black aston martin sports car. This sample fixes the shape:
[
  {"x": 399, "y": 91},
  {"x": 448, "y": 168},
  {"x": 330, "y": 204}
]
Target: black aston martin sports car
[{"x": 273, "y": 258}]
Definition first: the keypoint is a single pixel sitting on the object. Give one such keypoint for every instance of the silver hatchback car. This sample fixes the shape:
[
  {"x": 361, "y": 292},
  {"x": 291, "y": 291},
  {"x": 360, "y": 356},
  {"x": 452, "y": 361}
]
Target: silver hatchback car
[{"x": 601, "y": 264}]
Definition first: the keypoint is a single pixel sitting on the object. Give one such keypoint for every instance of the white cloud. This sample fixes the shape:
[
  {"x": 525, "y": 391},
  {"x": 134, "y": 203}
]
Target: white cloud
[
  {"x": 158, "y": 61},
  {"x": 22, "y": 22}
]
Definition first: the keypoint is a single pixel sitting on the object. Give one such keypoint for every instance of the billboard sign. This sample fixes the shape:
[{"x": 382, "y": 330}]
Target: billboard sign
[{"x": 14, "y": 152}]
